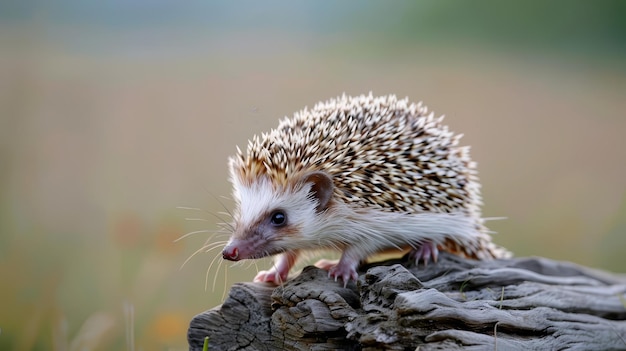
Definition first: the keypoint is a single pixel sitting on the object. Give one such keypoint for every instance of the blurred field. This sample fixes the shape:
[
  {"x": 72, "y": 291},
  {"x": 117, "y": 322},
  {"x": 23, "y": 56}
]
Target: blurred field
[{"x": 113, "y": 115}]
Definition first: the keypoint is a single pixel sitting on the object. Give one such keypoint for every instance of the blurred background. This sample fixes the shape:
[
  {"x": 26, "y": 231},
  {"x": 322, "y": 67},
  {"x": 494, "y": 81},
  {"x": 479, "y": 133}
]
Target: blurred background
[{"x": 113, "y": 114}]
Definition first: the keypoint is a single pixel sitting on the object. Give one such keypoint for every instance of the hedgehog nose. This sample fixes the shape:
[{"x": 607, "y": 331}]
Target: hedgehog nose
[{"x": 230, "y": 253}]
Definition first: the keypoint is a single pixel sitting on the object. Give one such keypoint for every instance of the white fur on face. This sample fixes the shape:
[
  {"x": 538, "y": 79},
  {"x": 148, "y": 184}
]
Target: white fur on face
[{"x": 260, "y": 199}]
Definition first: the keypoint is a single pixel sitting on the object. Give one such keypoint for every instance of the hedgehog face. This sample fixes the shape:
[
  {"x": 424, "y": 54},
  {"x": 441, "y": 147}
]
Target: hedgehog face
[{"x": 271, "y": 219}]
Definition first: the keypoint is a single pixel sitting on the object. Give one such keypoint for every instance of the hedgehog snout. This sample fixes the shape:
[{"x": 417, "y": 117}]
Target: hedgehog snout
[
  {"x": 238, "y": 249},
  {"x": 230, "y": 253}
]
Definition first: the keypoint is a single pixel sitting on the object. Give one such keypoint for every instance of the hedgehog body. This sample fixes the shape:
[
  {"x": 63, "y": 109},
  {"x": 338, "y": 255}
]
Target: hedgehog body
[{"x": 360, "y": 175}]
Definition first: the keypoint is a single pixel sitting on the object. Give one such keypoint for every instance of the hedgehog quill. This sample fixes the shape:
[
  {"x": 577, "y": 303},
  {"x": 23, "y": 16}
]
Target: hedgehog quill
[{"x": 361, "y": 175}]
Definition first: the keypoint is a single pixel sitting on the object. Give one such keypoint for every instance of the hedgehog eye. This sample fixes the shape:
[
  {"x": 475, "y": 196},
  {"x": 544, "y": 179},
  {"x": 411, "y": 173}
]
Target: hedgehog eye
[{"x": 278, "y": 219}]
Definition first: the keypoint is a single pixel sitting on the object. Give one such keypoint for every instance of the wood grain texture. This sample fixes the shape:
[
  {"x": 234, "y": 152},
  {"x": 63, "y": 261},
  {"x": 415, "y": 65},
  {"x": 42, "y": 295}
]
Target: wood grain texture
[{"x": 455, "y": 304}]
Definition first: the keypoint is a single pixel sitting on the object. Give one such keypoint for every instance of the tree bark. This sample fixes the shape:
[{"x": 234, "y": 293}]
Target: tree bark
[{"x": 454, "y": 304}]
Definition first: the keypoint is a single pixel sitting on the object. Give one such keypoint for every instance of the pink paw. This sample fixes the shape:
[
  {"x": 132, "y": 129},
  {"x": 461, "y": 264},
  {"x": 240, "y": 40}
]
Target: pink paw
[
  {"x": 425, "y": 252},
  {"x": 271, "y": 276},
  {"x": 345, "y": 272}
]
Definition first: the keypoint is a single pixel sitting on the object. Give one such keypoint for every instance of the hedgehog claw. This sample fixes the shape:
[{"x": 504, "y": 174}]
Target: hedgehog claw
[
  {"x": 336, "y": 269},
  {"x": 344, "y": 272},
  {"x": 435, "y": 253},
  {"x": 425, "y": 252}
]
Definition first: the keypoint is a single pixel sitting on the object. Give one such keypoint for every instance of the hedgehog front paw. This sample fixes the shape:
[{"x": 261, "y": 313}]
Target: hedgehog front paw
[
  {"x": 271, "y": 276},
  {"x": 425, "y": 252}
]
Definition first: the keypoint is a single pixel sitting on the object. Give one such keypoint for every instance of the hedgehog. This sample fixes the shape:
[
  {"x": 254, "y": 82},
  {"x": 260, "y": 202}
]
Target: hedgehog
[{"x": 360, "y": 175}]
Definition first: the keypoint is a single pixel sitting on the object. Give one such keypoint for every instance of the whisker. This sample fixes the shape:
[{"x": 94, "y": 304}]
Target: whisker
[
  {"x": 210, "y": 213},
  {"x": 223, "y": 222},
  {"x": 219, "y": 265},
  {"x": 216, "y": 234},
  {"x": 190, "y": 257},
  {"x": 189, "y": 208},
  {"x": 192, "y": 233},
  {"x": 494, "y": 218},
  {"x": 197, "y": 219},
  {"x": 221, "y": 231},
  {"x": 206, "y": 276},
  {"x": 219, "y": 201},
  {"x": 225, "y": 226},
  {"x": 208, "y": 247},
  {"x": 214, "y": 246},
  {"x": 240, "y": 264},
  {"x": 220, "y": 236},
  {"x": 225, "y": 281}
]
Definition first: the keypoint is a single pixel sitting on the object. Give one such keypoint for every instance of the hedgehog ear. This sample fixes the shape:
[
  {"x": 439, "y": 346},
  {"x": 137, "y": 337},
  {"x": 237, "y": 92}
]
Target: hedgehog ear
[{"x": 321, "y": 188}]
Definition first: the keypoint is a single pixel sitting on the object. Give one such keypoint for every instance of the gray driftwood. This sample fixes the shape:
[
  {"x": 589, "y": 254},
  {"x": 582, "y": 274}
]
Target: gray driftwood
[{"x": 515, "y": 304}]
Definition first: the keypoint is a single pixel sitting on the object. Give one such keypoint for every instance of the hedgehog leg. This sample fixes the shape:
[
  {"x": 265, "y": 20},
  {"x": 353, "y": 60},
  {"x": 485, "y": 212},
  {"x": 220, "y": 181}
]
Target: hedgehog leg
[
  {"x": 424, "y": 252},
  {"x": 279, "y": 272}
]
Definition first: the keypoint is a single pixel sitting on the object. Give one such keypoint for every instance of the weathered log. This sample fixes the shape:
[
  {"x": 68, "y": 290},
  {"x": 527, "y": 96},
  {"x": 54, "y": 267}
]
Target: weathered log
[{"x": 514, "y": 304}]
